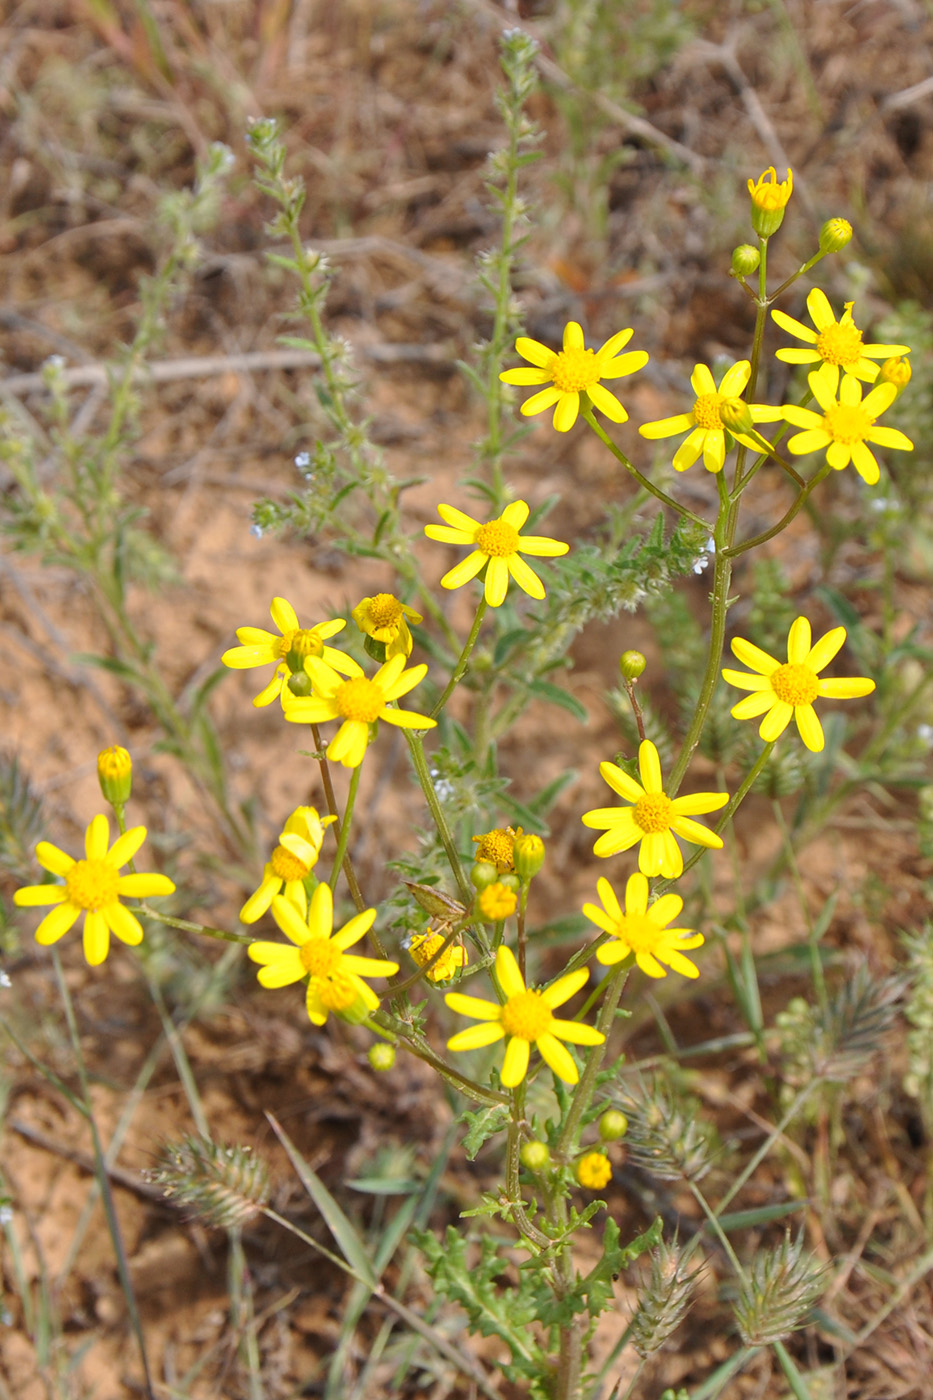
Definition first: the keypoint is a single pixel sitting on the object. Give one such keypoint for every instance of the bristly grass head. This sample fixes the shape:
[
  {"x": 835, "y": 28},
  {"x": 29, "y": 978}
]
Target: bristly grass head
[
  {"x": 666, "y": 1133},
  {"x": 224, "y": 1186},
  {"x": 782, "y": 1286},
  {"x": 665, "y": 1298}
]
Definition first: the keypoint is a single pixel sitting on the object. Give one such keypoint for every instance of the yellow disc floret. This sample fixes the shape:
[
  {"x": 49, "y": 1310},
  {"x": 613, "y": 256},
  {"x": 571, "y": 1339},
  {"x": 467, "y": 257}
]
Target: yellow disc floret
[
  {"x": 706, "y": 411},
  {"x": 574, "y": 370},
  {"x": 302, "y": 642},
  {"x": 526, "y": 1015},
  {"x": 338, "y": 993},
  {"x": 795, "y": 684},
  {"x": 320, "y": 956},
  {"x": 385, "y": 610},
  {"x": 841, "y": 343},
  {"x": 92, "y": 884},
  {"x": 286, "y": 866},
  {"x": 652, "y": 812},
  {"x": 847, "y": 423},
  {"x": 359, "y": 699},
  {"x": 497, "y": 846},
  {"x": 497, "y": 540}
]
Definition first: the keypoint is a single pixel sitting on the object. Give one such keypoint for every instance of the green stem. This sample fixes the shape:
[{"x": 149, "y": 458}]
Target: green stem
[
  {"x": 344, "y": 838},
  {"x": 583, "y": 1093},
  {"x": 646, "y": 485},
  {"x": 423, "y": 1052},
  {"x": 416, "y": 749},
  {"x": 461, "y": 666},
  {"x": 188, "y": 927},
  {"x": 733, "y": 551},
  {"x": 103, "y": 1180}
]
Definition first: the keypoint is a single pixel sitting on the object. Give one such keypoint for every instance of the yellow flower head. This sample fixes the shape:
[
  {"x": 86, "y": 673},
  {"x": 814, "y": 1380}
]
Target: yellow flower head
[
  {"x": 93, "y": 887},
  {"x": 573, "y": 375},
  {"x": 769, "y": 199},
  {"x": 497, "y": 547},
  {"x": 496, "y": 902},
  {"x": 834, "y": 345},
  {"x": 594, "y": 1171},
  {"x": 654, "y": 819},
  {"x": 642, "y": 930},
  {"x": 386, "y": 620},
  {"x": 846, "y": 426},
  {"x": 526, "y": 1018},
  {"x": 423, "y": 946},
  {"x": 292, "y": 861},
  {"x": 286, "y": 651},
  {"x": 358, "y": 702},
  {"x": 335, "y": 977},
  {"x": 708, "y": 436},
  {"x": 497, "y": 846},
  {"x": 782, "y": 692}
]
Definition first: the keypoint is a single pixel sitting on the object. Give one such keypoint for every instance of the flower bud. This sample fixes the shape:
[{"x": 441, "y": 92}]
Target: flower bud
[
  {"x": 736, "y": 415},
  {"x": 745, "y": 260},
  {"x": 512, "y": 882},
  {"x": 536, "y": 1156},
  {"x": 497, "y": 902},
  {"x": 594, "y": 1171},
  {"x": 115, "y": 775},
  {"x": 631, "y": 665},
  {"x": 895, "y": 371},
  {"x": 299, "y": 683},
  {"x": 769, "y": 198},
  {"x": 529, "y": 856},
  {"x": 483, "y": 874},
  {"x": 834, "y": 235},
  {"x": 381, "y": 1055},
  {"x": 612, "y": 1125}
]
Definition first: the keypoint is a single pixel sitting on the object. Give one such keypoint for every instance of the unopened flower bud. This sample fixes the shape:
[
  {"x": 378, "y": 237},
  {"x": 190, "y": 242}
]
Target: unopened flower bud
[
  {"x": 511, "y": 881},
  {"x": 612, "y": 1125},
  {"x": 497, "y": 902},
  {"x": 594, "y": 1171},
  {"x": 769, "y": 199},
  {"x": 745, "y": 260},
  {"x": 299, "y": 683},
  {"x": 631, "y": 665},
  {"x": 528, "y": 853},
  {"x": 381, "y": 1055},
  {"x": 895, "y": 371},
  {"x": 536, "y": 1156},
  {"x": 483, "y": 874},
  {"x": 115, "y": 775},
  {"x": 736, "y": 415},
  {"x": 834, "y": 235}
]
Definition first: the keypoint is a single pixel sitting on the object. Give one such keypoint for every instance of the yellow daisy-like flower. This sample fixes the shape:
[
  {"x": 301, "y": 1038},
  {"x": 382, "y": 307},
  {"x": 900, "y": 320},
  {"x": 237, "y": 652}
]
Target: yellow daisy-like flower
[
  {"x": 768, "y": 192},
  {"x": 359, "y": 702},
  {"x": 386, "y": 620},
  {"x": 642, "y": 930},
  {"x": 292, "y": 861},
  {"x": 93, "y": 887},
  {"x": 526, "y": 1018},
  {"x": 423, "y": 946},
  {"x": 654, "y": 819},
  {"x": 782, "y": 692},
  {"x": 846, "y": 426},
  {"x": 835, "y": 345},
  {"x": 708, "y": 436},
  {"x": 573, "y": 375},
  {"x": 335, "y": 977},
  {"x": 498, "y": 548},
  {"x": 594, "y": 1171},
  {"x": 497, "y": 846},
  {"x": 286, "y": 651}
]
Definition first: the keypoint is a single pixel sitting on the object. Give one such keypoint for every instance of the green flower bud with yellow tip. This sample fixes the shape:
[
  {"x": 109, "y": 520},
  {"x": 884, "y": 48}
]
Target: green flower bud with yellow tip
[
  {"x": 736, "y": 416},
  {"x": 529, "y": 856},
  {"x": 631, "y": 665},
  {"x": 536, "y": 1156},
  {"x": 835, "y": 235},
  {"x": 115, "y": 775},
  {"x": 381, "y": 1055},
  {"x": 769, "y": 199},
  {"x": 613, "y": 1125},
  {"x": 745, "y": 260},
  {"x": 895, "y": 371}
]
